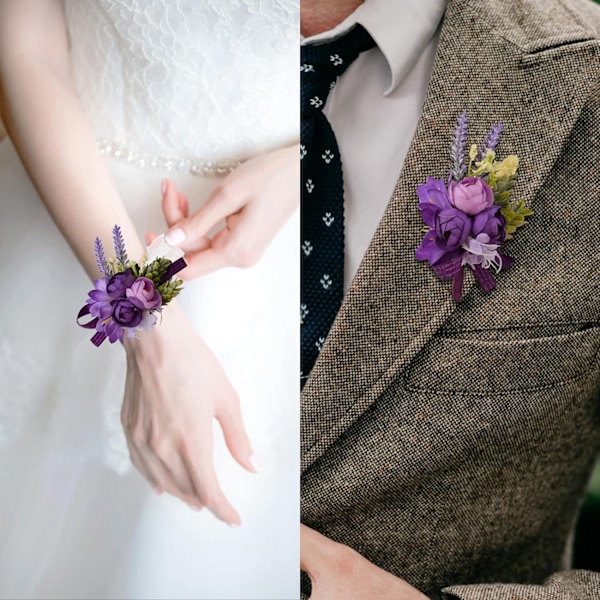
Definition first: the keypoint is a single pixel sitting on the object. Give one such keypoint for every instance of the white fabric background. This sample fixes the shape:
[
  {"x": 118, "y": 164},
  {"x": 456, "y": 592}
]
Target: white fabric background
[{"x": 75, "y": 520}]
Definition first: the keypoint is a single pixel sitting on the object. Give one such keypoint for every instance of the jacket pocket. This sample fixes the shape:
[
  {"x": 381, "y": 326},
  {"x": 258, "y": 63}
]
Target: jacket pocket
[{"x": 482, "y": 366}]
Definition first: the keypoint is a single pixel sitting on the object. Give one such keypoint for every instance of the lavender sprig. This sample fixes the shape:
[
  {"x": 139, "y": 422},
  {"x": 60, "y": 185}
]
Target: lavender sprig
[
  {"x": 119, "y": 242},
  {"x": 457, "y": 150},
  {"x": 491, "y": 141},
  {"x": 101, "y": 258}
]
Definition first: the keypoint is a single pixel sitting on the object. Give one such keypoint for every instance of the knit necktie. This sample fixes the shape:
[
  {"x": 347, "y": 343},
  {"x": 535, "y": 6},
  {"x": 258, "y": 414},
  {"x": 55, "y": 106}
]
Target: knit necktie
[{"x": 322, "y": 219}]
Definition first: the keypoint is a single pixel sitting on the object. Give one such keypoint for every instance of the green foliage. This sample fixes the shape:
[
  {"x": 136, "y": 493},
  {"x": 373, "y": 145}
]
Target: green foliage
[
  {"x": 500, "y": 175},
  {"x": 514, "y": 213},
  {"x": 115, "y": 267},
  {"x": 134, "y": 268},
  {"x": 169, "y": 290},
  {"x": 156, "y": 270},
  {"x": 502, "y": 187}
]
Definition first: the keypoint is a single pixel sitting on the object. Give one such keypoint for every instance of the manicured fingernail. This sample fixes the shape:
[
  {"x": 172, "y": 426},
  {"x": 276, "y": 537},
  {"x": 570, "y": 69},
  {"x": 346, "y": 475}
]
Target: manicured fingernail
[
  {"x": 157, "y": 490},
  {"x": 235, "y": 525},
  {"x": 256, "y": 463},
  {"x": 194, "y": 507},
  {"x": 163, "y": 186},
  {"x": 175, "y": 236}
]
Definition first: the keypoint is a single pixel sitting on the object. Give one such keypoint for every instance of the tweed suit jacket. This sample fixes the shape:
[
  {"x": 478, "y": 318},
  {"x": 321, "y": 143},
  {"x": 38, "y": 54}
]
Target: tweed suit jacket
[{"x": 451, "y": 444}]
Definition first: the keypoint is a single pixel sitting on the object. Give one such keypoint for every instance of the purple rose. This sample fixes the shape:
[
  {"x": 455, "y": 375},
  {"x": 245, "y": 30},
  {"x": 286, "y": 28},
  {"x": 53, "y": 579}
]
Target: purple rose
[
  {"x": 118, "y": 283},
  {"x": 452, "y": 228},
  {"x": 126, "y": 314},
  {"x": 143, "y": 295},
  {"x": 471, "y": 195},
  {"x": 433, "y": 197},
  {"x": 490, "y": 222}
]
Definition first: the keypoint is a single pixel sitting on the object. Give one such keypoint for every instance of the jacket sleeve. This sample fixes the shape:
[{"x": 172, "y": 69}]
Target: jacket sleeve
[{"x": 565, "y": 585}]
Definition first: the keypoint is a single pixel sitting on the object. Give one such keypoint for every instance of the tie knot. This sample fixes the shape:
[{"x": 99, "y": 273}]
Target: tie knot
[{"x": 322, "y": 64}]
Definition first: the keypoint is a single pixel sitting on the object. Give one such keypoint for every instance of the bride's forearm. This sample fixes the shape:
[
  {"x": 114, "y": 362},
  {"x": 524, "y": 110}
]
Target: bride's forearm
[{"x": 49, "y": 129}]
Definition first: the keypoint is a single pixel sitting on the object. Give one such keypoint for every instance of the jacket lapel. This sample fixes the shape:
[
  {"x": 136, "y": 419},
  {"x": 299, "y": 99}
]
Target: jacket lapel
[{"x": 396, "y": 304}]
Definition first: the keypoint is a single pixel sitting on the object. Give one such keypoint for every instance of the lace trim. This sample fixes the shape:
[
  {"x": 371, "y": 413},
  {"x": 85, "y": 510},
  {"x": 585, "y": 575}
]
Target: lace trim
[{"x": 165, "y": 163}]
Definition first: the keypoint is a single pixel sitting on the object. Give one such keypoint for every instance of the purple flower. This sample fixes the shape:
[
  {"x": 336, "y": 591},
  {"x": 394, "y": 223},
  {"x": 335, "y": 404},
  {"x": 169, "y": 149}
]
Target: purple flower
[
  {"x": 99, "y": 300},
  {"x": 433, "y": 197},
  {"x": 491, "y": 141},
  {"x": 457, "y": 150},
  {"x": 491, "y": 222},
  {"x": 101, "y": 258},
  {"x": 112, "y": 330},
  {"x": 481, "y": 251},
  {"x": 452, "y": 228},
  {"x": 429, "y": 250},
  {"x": 126, "y": 314},
  {"x": 119, "y": 242},
  {"x": 471, "y": 195},
  {"x": 143, "y": 295},
  {"x": 117, "y": 285}
]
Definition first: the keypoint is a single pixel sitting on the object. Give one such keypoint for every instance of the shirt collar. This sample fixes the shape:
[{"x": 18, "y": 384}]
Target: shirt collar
[{"x": 401, "y": 29}]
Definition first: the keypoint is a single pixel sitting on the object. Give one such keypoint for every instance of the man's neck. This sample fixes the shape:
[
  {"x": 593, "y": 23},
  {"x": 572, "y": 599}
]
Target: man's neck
[{"x": 317, "y": 16}]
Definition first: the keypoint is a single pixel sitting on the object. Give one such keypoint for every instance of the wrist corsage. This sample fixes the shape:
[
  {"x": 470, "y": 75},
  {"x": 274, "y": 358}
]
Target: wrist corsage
[
  {"x": 129, "y": 296},
  {"x": 469, "y": 218}
]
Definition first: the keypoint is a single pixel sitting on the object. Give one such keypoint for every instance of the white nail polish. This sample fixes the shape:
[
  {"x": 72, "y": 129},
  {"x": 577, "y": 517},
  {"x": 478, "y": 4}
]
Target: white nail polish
[
  {"x": 255, "y": 462},
  {"x": 175, "y": 237}
]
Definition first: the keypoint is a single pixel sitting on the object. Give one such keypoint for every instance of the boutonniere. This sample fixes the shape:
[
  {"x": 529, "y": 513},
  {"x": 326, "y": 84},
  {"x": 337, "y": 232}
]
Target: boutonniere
[
  {"x": 129, "y": 296},
  {"x": 469, "y": 218}
]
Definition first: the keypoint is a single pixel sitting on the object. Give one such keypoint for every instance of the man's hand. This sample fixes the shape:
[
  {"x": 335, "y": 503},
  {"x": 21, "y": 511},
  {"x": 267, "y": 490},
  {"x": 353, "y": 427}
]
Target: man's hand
[
  {"x": 252, "y": 203},
  {"x": 336, "y": 571}
]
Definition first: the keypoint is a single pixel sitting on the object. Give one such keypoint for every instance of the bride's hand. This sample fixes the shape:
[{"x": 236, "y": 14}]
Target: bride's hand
[
  {"x": 254, "y": 200},
  {"x": 174, "y": 389}
]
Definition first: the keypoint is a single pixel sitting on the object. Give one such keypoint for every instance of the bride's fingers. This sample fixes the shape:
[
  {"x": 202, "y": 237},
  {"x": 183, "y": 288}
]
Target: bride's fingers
[
  {"x": 140, "y": 464},
  {"x": 201, "y": 263},
  {"x": 197, "y": 246},
  {"x": 219, "y": 206},
  {"x": 174, "y": 478},
  {"x": 159, "y": 476},
  {"x": 149, "y": 237},
  {"x": 239, "y": 242},
  {"x": 184, "y": 205},
  {"x": 171, "y": 204},
  {"x": 229, "y": 416},
  {"x": 204, "y": 478},
  {"x": 151, "y": 467}
]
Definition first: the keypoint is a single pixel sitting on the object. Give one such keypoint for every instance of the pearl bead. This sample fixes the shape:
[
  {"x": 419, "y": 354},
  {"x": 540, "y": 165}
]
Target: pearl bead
[{"x": 201, "y": 168}]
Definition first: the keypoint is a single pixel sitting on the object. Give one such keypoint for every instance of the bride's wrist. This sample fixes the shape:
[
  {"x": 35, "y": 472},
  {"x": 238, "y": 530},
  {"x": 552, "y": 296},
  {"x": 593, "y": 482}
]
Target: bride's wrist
[{"x": 172, "y": 324}]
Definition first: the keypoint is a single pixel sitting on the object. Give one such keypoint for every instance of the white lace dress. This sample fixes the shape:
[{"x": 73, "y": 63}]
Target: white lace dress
[{"x": 185, "y": 89}]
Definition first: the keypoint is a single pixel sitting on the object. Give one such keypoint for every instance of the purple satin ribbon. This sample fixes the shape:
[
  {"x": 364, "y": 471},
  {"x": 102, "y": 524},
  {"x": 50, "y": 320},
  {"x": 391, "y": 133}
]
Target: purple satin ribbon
[
  {"x": 90, "y": 324},
  {"x": 448, "y": 269},
  {"x": 98, "y": 337},
  {"x": 484, "y": 278},
  {"x": 457, "y": 285},
  {"x": 175, "y": 267},
  {"x": 507, "y": 261},
  {"x": 453, "y": 269}
]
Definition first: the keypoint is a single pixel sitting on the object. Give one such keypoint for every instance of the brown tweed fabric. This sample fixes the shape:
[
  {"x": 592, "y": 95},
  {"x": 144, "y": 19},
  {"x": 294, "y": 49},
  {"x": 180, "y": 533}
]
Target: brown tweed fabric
[{"x": 451, "y": 444}]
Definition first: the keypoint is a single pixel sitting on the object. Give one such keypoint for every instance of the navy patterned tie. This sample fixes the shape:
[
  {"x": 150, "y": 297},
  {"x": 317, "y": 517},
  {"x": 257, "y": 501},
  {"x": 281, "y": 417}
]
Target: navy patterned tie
[{"x": 322, "y": 219}]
